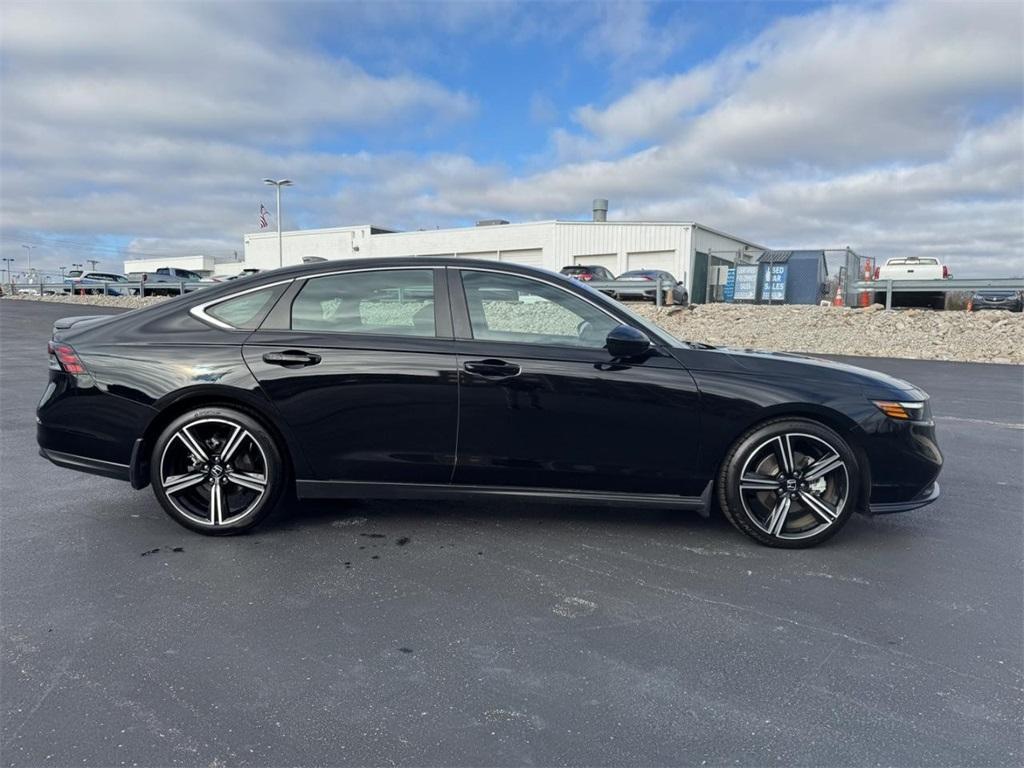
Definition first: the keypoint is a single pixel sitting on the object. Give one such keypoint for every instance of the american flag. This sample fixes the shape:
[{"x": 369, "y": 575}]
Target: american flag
[{"x": 264, "y": 217}]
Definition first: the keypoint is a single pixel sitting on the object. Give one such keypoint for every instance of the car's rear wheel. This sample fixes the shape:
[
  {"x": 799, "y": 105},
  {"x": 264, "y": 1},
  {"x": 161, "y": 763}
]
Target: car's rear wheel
[
  {"x": 789, "y": 483},
  {"x": 217, "y": 471}
]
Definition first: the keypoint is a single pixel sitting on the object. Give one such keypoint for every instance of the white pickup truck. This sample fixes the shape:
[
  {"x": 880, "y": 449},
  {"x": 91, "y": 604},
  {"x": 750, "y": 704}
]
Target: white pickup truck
[
  {"x": 167, "y": 281},
  {"x": 913, "y": 268}
]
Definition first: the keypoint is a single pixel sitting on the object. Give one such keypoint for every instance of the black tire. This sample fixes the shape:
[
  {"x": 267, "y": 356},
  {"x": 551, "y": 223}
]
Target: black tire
[
  {"x": 254, "y": 460},
  {"x": 812, "y": 510}
]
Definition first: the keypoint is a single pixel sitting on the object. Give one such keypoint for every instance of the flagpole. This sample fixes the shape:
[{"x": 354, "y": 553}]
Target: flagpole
[
  {"x": 278, "y": 184},
  {"x": 280, "y": 251}
]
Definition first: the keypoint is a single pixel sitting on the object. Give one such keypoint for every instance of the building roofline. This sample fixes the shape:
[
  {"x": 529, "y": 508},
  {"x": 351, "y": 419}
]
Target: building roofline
[{"x": 576, "y": 222}]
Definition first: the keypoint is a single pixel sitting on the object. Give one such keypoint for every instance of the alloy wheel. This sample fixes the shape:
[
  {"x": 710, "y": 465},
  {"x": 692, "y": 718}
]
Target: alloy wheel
[
  {"x": 794, "y": 486},
  {"x": 214, "y": 472}
]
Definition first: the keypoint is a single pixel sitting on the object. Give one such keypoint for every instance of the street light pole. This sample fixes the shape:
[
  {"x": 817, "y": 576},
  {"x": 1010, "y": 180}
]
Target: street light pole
[
  {"x": 29, "y": 249},
  {"x": 7, "y": 267},
  {"x": 277, "y": 184}
]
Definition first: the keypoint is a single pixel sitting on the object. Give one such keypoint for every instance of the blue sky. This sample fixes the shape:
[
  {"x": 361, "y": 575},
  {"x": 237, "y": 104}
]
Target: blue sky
[{"x": 895, "y": 128}]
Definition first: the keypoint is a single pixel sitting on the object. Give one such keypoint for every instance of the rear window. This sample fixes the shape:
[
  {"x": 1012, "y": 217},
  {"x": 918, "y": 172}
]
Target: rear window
[
  {"x": 246, "y": 311},
  {"x": 898, "y": 262},
  {"x": 75, "y": 273}
]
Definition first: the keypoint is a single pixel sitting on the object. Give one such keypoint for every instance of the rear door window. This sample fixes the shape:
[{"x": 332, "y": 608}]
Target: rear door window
[{"x": 396, "y": 302}]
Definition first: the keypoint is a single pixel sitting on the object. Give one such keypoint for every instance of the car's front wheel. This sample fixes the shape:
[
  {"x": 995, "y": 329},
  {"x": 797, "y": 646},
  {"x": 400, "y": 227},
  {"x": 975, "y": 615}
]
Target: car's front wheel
[
  {"x": 216, "y": 470},
  {"x": 789, "y": 483}
]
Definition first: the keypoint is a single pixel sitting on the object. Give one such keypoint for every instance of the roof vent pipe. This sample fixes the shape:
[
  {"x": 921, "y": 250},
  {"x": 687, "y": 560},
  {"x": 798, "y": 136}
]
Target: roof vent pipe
[{"x": 600, "y": 209}]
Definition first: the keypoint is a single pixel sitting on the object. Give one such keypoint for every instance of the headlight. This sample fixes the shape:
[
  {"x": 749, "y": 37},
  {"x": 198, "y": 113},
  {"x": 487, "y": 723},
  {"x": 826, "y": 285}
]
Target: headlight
[{"x": 900, "y": 411}]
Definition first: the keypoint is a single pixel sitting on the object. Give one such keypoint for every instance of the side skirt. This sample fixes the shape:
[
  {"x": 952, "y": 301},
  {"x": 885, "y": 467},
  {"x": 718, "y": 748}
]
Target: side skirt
[{"x": 343, "y": 489}]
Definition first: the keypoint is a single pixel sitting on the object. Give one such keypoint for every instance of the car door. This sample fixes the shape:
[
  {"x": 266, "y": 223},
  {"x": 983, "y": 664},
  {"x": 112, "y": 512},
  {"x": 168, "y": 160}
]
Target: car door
[
  {"x": 361, "y": 366},
  {"x": 544, "y": 405}
]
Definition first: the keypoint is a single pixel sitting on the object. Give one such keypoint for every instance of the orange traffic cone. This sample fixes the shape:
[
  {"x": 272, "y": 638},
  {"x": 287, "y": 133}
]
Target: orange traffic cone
[{"x": 838, "y": 300}]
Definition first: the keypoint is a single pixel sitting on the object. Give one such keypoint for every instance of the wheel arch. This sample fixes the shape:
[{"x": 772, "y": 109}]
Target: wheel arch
[
  {"x": 202, "y": 397},
  {"x": 834, "y": 419}
]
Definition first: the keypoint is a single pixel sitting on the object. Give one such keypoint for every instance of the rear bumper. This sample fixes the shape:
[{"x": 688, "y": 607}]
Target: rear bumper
[
  {"x": 926, "y": 497},
  {"x": 86, "y": 464}
]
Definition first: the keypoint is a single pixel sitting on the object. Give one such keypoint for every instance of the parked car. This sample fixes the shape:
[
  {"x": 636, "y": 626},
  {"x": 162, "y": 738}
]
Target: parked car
[
  {"x": 586, "y": 273},
  {"x": 913, "y": 268},
  {"x": 1012, "y": 301},
  {"x": 76, "y": 281},
  {"x": 247, "y": 272},
  {"x": 167, "y": 281},
  {"x": 645, "y": 290},
  {"x": 458, "y": 378}
]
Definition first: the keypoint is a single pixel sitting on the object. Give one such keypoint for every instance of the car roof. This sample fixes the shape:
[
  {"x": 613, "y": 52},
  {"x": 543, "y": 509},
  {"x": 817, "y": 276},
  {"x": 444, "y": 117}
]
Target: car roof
[{"x": 423, "y": 262}]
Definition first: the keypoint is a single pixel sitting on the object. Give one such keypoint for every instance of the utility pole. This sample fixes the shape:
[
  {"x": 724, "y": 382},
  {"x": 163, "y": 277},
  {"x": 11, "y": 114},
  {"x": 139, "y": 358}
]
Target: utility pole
[
  {"x": 62, "y": 273},
  {"x": 7, "y": 268},
  {"x": 277, "y": 185}
]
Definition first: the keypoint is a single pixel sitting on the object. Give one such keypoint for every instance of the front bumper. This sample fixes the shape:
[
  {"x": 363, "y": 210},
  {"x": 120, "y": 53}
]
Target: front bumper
[{"x": 926, "y": 497}]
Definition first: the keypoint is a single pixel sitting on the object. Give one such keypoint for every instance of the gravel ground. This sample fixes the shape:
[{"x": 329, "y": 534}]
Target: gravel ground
[
  {"x": 921, "y": 334},
  {"x": 984, "y": 337}
]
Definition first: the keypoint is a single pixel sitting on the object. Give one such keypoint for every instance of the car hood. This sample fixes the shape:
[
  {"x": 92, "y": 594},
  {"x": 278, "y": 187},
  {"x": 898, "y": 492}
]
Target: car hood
[{"x": 789, "y": 365}]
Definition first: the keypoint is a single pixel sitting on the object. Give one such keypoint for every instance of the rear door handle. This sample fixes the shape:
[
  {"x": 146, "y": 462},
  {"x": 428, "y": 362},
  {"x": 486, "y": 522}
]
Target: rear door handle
[
  {"x": 292, "y": 358},
  {"x": 493, "y": 369}
]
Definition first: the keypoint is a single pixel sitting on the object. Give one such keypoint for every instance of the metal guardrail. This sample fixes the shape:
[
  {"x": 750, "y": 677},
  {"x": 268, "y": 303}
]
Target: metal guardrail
[
  {"x": 106, "y": 288},
  {"x": 948, "y": 285},
  {"x": 661, "y": 288}
]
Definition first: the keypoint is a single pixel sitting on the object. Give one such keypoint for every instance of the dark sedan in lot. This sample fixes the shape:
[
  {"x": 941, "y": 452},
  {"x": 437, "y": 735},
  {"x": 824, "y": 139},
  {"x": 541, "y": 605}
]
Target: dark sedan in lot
[
  {"x": 1011, "y": 301},
  {"x": 647, "y": 281},
  {"x": 440, "y": 378}
]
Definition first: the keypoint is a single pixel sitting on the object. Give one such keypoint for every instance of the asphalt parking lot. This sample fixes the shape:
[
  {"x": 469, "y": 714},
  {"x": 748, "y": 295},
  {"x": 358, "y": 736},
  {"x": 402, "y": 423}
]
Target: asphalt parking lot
[{"x": 457, "y": 634}]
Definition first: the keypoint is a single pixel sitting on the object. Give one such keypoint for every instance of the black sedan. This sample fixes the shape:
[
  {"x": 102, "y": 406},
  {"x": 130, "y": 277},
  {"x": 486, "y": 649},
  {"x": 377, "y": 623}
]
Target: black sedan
[
  {"x": 1011, "y": 301},
  {"x": 440, "y": 378}
]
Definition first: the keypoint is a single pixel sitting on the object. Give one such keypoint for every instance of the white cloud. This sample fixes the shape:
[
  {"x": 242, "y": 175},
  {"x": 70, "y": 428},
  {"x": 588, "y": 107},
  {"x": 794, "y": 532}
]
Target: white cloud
[{"x": 891, "y": 128}]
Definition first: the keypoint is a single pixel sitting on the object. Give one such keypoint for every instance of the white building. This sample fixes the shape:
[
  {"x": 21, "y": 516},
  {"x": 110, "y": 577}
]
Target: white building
[
  {"x": 203, "y": 265},
  {"x": 695, "y": 254}
]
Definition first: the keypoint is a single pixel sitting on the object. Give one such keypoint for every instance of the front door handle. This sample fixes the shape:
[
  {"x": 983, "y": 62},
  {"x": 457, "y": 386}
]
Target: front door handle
[
  {"x": 493, "y": 369},
  {"x": 292, "y": 358}
]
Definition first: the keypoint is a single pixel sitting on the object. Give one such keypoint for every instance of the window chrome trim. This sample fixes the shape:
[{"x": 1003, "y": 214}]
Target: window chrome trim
[{"x": 199, "y": 310}]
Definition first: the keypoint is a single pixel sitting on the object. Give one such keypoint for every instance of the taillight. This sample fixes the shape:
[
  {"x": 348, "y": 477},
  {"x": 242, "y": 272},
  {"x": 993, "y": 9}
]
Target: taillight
[
  {"x": 63, "y": 357},
  {"x": 945, "y": 272},
  {"x": 877, "y": 272}
]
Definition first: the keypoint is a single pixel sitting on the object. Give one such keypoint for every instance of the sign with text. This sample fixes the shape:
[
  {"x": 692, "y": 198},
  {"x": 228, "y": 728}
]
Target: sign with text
[{"x": 746, "y": 283}]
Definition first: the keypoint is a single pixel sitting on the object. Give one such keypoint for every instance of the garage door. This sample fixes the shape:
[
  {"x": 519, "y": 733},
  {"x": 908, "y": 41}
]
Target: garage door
[
  {"x": 486, "y": 255},
  {"x": 531, "y": 257},
  {"x": 609, "y": 261},
  {"x": 653, "y": 260}
]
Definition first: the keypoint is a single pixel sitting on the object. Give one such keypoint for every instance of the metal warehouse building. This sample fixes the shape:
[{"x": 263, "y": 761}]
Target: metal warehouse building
[{"x": 695, "y": 254}]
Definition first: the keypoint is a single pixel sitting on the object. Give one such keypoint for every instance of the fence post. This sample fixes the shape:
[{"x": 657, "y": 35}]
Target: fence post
[
  {"x": 658, "y": 294},
  {"x": 181, "y": 287},
  {"x": 888, "y": 294},
  {"x": 106, "y": 288}
]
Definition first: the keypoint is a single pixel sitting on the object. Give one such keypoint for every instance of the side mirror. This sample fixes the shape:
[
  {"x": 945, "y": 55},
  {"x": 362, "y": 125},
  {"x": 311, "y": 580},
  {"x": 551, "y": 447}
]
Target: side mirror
[{"x": 626, "y": 341}]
